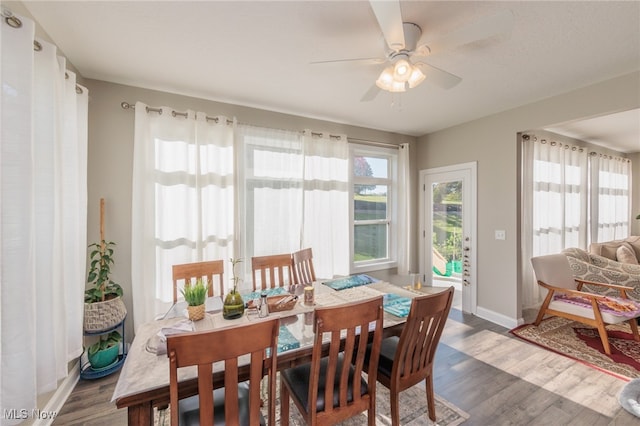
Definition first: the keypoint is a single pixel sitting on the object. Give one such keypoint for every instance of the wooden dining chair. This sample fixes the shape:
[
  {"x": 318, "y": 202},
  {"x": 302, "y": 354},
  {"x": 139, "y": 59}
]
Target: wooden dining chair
[
  {"x": 567, "y": 299},
  {"x": 303, "y": 272},
  {"x": 236, "y": 403},
  {"x": 192, "y": 271},
  {"x": 407, "y": 360},
  {"x": 271, "y": 271},
  {"x": 331, "y": 388}
]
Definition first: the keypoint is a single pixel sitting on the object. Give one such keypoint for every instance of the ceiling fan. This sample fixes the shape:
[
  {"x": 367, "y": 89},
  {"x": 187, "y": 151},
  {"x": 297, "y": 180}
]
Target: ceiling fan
[{"x": 405, "y": 54}]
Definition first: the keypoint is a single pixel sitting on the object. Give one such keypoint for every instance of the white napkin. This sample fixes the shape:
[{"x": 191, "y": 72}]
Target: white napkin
[{"x": 183, "y": 326}]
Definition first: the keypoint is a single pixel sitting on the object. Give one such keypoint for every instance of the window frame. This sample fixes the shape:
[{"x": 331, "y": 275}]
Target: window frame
[{"x": 391, "y": 155}]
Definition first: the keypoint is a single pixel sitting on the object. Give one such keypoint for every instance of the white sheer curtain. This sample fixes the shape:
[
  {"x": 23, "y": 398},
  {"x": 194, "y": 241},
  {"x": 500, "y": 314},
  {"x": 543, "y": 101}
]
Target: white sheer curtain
[
  {"x": 43, "y": 185},
  {"x": 404, "y": 210},
  {"x": 294, "y": 194},
  {"x": 270, "y": 200},
  {"x": 610, "y": 191},
  {"x": 554, "y": 204},
  {"x": 182, "y": 200},
  {"x": 326, "y": 202}
]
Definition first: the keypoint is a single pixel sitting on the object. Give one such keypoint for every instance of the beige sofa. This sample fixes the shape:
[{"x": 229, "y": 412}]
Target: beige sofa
[
  {"x": 598, "y": 268},
  {"x": 609, "y": 249}
]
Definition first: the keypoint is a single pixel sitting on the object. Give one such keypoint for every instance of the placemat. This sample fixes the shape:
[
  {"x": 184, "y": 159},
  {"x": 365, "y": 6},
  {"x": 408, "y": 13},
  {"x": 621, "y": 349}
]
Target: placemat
[
  {"x": 351, "y": 281},
  {"x": 286, "y": 341},
  {"x": 270, "y": 292},
  {"x": 396, "y": 305}
]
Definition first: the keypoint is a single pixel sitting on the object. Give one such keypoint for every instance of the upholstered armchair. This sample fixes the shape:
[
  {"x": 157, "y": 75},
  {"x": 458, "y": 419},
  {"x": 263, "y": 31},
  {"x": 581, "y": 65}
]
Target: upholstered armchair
[{"x": 596, "y": 268}]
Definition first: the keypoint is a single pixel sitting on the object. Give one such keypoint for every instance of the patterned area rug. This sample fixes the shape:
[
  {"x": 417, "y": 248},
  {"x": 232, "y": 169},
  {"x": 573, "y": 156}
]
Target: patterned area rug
[
  {"x": 582, "y": 343},
  {"x": 413, "y": 411}
]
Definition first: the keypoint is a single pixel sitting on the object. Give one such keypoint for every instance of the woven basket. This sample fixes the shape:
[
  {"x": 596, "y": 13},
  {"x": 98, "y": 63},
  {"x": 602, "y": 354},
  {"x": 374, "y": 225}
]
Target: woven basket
[
  {"x": 275, "y": 307},
  {"x": 100, "y": 316},
  {"x": 196, "y": 313}
]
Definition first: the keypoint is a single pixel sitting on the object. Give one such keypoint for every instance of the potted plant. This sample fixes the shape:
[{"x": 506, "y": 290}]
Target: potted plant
[
  {"x": 103, "y": 304},
  {"x": 195, "y": 296},
  {"x": 233, "y": 306},
  {"x": 105, "y": 351}
]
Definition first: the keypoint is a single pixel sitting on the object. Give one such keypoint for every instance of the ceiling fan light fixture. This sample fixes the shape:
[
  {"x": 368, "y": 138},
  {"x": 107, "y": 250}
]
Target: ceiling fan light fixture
[
  {"x": 385, "y": 80},
  {"x": 397, "y": 86},
  {"x": 388, "y": 83},
  {"x": 402, "y": 70},
  {"x": 417, "y": 77}
]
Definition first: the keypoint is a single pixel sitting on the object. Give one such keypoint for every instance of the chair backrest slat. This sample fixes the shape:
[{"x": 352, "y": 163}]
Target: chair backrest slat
[
  {"x": 273, "y": 271},
  {"x": 420, "y": 336},
  {"x": 205, "y": 348},
  {"x": 349, "y": 322},
  {"x": 303, "y": 271},
  {"x": 207, "y": 271}
]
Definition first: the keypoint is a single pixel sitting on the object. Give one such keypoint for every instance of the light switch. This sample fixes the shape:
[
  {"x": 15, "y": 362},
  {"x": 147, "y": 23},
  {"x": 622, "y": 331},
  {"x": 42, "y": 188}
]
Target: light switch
[{"x": 500, "y": 234}]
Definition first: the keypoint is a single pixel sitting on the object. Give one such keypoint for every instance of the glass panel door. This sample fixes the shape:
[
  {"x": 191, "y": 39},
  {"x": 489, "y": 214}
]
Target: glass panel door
[
  {"x": 448, "y": 220},
  {"x": 446, "y": 231}
]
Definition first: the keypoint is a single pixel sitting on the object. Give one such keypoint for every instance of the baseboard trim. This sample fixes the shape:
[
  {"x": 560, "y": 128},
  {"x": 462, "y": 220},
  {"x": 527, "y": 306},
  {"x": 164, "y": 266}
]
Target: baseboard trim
[
  {"x": 55, "y": 403},
  {"x": 497, "y": 318}
]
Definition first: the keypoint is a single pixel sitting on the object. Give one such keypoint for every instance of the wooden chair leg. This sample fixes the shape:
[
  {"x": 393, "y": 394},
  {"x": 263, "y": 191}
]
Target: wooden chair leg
[
  {"x": 284, "y": 404},
  {"x": 394, "y": 396},
  {"x": 634, "y": 329},
  {"x": 371, "y": 414},
  {"x": 605, "y": 339},
  {"x": 543, "y": 308},
  {"x": 431, "y": 404}
]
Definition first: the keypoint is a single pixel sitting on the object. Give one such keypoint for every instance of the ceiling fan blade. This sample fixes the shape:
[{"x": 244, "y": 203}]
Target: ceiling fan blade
[
  {"x": 370, "y": 94},
  {"x": 497, "y": 24},
  {"x": 367, "y": 60},
  {"x": 389, "y": 18},
  {"x": 439, "y": 77}
]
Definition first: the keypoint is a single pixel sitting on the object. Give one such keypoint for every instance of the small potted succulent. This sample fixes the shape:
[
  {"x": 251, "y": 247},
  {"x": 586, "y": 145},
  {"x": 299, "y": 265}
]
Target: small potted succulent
[{"x": 195, "y": 295}]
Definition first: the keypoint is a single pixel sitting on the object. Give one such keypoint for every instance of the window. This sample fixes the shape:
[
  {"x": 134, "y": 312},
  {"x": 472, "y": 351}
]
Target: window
[
  {"x": 293, "y": 194},
  {"x": 271, "y": 206},
  {"x": 571, "y": 197},
  {"x": 373, "y": 194},
  {"x": 610, "y": 197}
]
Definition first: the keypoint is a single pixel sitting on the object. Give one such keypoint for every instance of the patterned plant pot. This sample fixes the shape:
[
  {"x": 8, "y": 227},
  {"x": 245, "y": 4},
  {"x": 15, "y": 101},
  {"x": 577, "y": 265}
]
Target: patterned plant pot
[
  {"x": 196, "y": 313},
  {"x": 100, "y": 316}
]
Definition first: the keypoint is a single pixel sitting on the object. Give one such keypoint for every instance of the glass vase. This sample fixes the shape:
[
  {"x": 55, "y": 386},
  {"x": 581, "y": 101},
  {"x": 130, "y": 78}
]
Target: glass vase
[{"x": 233, "y": 306}]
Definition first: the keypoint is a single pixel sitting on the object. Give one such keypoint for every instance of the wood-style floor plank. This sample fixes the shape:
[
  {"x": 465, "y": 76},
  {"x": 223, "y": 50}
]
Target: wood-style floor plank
[{"x": 480, "y": 367}]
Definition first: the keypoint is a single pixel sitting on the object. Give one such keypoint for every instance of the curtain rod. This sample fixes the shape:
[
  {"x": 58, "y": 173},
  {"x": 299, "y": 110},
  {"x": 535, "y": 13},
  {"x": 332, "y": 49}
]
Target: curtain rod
[
  {"x": 373, "y": 143},
  {"x": 15, "y": 22},
  {"x": 527, "y": 137},
  {"x": 127, "y": 105}
]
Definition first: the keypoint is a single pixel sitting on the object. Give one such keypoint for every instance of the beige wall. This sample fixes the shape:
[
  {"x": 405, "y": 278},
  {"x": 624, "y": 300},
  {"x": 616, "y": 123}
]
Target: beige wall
[
  {"x": 111, "y": 153},
  {"x": 492, "y": 142},
  {"x": 635, "y": 191}
]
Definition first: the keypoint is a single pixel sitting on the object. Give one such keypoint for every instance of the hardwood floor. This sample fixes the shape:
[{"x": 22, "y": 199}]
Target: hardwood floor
[{"x": 480, "y": 367}]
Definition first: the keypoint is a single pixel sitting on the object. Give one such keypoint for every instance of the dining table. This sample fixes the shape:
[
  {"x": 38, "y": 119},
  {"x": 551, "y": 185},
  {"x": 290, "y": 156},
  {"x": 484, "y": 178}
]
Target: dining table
[{"x": 143, "y": 383}]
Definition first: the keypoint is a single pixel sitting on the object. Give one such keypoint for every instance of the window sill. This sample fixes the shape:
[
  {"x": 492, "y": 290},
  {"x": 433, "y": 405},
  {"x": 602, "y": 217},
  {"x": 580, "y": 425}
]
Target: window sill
[{"x": 370, "y": 267}]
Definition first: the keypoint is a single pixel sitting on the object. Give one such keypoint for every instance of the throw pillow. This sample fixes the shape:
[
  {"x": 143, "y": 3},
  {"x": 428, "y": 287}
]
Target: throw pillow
[{"x": 625, "y": 254}]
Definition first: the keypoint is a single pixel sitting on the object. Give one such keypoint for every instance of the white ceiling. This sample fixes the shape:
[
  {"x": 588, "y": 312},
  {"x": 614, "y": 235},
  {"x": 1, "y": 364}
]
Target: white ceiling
[
  {"x": 622, "y": 128},
  {"x": 258, "y": 54}
]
